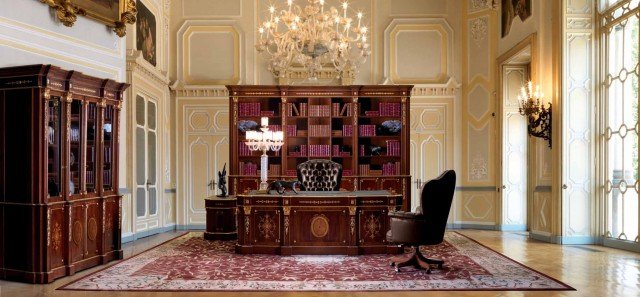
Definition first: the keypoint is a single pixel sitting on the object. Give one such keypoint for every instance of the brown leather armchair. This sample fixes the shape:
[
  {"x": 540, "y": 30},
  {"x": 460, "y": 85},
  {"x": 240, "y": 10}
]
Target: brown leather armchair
[
  {"x": 319, "y": 175},
  {"x": 426, "y": 226}
]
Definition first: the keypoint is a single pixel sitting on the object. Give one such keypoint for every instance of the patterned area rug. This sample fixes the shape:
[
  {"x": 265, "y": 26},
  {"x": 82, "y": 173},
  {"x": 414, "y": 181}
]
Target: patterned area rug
[{"x": 191, "y": 263}]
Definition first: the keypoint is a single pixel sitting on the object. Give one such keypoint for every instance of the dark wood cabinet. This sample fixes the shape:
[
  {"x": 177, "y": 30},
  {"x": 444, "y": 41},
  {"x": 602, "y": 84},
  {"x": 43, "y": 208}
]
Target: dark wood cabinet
[
  {"x": 221, "y": 218},
  {"x": 364, "y": 128},
  {"x": 59, "y": 205}
]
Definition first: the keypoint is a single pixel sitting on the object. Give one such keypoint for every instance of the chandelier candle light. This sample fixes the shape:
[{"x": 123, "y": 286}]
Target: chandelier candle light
[
  {"x": 264, "y": 140},
  {"x": 539, "y": 117},
  {"x": 313, "y": 36}
]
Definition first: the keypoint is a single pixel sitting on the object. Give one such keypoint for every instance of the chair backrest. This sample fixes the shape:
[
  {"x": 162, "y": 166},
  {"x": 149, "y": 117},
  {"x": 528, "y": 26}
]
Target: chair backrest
[
  {"x": 436, "y": 197},
  {"x": 319, "y": 175}
]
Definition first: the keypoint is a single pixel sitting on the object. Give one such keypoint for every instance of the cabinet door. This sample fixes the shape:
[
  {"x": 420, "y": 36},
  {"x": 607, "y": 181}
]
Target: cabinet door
[
  {"x": 56, "y": 240},
  {"x": 111, "y": 224},
  {"x": 247, "y": 184},
  {"x": 393, "y": 185},
  {"x": 265, "y": 226},
  {"x": 368, "y": 184},
  {"x": 373, "y": 225},
  {"x": 93, "y": 229},
  {"x": 108, "y": 147},
  {"x": 312, "y": 226},
  {"x": 91, "y": 148},
  {"x": 348, "y": 184},
  {"x": 75, "y": 155},
  {"x": 54, "y": 147},
  {"x": 77, "y": 236}
]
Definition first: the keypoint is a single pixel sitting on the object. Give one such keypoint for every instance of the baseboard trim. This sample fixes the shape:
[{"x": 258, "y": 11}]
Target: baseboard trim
[
  {"x": 135, "y": 236},
  {"x": 191, "y": 227},
  {"x": 543, "y": 237},
  {"x": 621, "y": 244},
  {"x": 568, "y": 240},
  {"x": 511, "y": 227},
  {"x": 471, "y": 226}
]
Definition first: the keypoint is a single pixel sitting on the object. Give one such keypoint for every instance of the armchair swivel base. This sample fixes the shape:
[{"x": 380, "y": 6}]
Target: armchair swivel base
[{"x": 416, "y": 259}]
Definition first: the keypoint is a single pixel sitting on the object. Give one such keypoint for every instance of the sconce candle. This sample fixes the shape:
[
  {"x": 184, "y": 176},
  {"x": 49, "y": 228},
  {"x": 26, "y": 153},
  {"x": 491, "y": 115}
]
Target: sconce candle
[{"x": 539, "y": 117}]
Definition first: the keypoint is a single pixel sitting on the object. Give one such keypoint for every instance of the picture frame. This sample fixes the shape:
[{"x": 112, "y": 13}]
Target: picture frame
[
  {"x": 146, "y": 33},
  {"x": 512, "y": 9},
  {"x": 115, "y": 14}
]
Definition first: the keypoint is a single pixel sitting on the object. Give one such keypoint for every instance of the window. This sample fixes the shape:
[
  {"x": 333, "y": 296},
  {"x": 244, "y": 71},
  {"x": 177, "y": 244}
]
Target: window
[{"x": 619, "y": 114}]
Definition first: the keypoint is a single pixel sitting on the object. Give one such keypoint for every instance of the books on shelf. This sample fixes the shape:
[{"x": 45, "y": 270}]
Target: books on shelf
[
  {"x": 298, "y": 151},
  {"x": 372, "y": 113},
  {"x": 248, "y": 168},
  {"x": 336, "y": 132},
  {"x": 291, "y": 130},
  {"x": 108, "y": 154},
  {"x": 91, "y": 178},
  {"x": 347, "y": 172},
  {"x": 275, "y": 128},
  {"x": 363, "y": 169},
  {"x": 391, "y": 168},
  {"x": 249, "y": 109},
  {"x": 347, "y": 130},
  {"x": 243, "y": 149},
  {"x": 291, "y": 172},
  {"x": 267, "y": 113},
  {"x": 274, "y": 169},
  {"x": 367, "y": 130},
  {"x": 393, "y": 148},
  {"x": 319, "y": 150},
  {"x": 336, "y": 151},
  {"x": 292, "y": 110},
  {"x": 320, "y": 130},
  {"x": 362, "y": 150},
  {"x": 389, "y": 109},
  {"x": 319, "y": 111},
  {"x": 376, "y": 172},
  {"x": 106, "y": 177}
]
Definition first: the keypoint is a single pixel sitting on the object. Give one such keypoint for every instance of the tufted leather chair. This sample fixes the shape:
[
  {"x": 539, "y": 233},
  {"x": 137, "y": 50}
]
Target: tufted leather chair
[
  {"x": 319, "y": 175},
  {"x": 426, "y": 226}
]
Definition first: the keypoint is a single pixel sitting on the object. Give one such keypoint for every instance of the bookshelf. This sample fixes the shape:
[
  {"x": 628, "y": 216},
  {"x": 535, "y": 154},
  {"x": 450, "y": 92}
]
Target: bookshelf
[{"x": 364, "y": 128}]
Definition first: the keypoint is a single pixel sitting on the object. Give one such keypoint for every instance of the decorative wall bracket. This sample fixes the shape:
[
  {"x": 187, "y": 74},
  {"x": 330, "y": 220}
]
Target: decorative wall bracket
[
  {"x": 67, "y": 11},
  {"x": 540, "y": 125},
  {"x": 538, "y": 116}
]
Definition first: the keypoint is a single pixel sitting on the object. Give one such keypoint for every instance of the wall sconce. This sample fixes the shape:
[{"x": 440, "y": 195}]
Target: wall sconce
[{"x": 539, "y": 124}]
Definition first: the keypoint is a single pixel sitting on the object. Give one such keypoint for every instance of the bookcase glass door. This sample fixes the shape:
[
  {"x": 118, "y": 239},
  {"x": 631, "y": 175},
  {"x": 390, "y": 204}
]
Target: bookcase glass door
[
  {"x": 108, "y": 147},
  {"x": 92, "y": 140},
  {"x": 75, "y": 147},
  {"x": 54, "y": 137},
  {"x": 146, "y": 148}
]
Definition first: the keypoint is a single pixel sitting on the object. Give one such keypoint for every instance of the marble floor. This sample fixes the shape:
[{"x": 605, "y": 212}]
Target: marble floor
[{"x": 592, "y": 270}]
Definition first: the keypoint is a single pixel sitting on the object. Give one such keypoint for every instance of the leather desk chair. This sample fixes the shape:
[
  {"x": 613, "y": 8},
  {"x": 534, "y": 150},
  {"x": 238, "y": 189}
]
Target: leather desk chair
[
  {"x": 319, "y": 175},
  {"x": 426, "y": 226}
]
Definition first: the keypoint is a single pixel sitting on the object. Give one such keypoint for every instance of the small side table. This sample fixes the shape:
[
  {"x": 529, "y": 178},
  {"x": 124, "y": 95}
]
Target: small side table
[{"x": 221, "y": 218}]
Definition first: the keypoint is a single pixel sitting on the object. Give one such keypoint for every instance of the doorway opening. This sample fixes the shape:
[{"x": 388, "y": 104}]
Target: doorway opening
[{"x": 515, "y": 70}]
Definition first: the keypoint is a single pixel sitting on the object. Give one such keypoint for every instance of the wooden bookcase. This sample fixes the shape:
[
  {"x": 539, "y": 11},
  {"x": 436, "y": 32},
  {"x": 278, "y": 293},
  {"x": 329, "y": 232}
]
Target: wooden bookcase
[
  {"x": 321, "y": 116},
  {"x": 59, "y": 201}
]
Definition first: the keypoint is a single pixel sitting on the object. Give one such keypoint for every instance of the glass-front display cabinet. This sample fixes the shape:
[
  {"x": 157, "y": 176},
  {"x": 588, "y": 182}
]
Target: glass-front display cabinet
[{"x": 59, "y": 182}]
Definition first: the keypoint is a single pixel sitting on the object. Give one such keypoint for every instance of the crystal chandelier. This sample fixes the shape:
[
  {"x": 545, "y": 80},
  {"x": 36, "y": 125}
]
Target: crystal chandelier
[
  {"x": 313, "y": 37},
  {"x": 539, "y": 117},
  {"x": 264, "y": 140}
]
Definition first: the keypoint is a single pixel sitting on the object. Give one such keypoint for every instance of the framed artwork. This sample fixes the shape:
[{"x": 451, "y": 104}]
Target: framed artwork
[
  {"x": 114, "y": 13},
  {"x": 512, "y": 9},
  {"x": 146, "y": 33}
]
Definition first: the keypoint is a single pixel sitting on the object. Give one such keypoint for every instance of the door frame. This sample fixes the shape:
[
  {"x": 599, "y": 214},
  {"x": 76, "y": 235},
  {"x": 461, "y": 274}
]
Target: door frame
[
  {"x": 530, "y": 42},
  {"x": 147, "y": 219}
]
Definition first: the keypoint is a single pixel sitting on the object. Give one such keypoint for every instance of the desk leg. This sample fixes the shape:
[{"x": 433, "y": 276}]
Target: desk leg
[
  {"x": 285, "y": 250},
  {"x": 353, "y": 230}
]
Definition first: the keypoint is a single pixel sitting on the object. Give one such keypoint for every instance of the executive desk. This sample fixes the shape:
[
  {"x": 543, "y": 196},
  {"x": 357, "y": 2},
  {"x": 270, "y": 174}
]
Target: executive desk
[{"x": 325, "y": 223}]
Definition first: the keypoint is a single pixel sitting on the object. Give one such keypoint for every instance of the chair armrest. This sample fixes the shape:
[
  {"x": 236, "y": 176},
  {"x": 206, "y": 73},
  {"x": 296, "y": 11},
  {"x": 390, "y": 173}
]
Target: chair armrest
[{"x": 405, "y": 215}]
